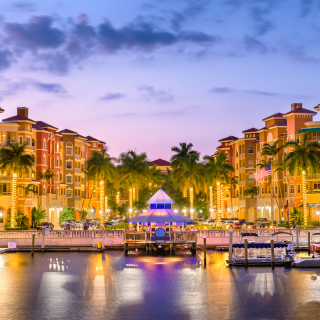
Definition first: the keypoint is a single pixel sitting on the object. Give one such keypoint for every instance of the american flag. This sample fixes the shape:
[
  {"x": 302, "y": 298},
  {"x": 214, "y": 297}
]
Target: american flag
[{"x": 264, "y": 172}]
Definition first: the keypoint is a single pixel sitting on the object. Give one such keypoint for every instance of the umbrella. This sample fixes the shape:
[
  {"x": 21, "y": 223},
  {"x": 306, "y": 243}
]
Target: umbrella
[
  {"x": 108, "y": 224},
  {"x": 68, "y": 225},
  {"x": 88, "y": 224}
]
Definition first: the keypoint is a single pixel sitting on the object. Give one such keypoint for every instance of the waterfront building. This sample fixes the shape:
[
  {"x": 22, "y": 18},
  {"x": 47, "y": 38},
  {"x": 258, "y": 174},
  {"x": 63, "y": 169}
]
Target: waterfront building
[
  {"x": 245, "y": 153},
  {"x": 63, "y": 152}
]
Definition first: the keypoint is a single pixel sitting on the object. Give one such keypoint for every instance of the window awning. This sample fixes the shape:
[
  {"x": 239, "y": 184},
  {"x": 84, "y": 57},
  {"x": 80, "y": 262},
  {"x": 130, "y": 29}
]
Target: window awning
[{"x": 308, "y": 130}]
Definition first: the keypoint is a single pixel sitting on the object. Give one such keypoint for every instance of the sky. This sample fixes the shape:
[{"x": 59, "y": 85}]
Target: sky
[{"x": 147, "y": 75}]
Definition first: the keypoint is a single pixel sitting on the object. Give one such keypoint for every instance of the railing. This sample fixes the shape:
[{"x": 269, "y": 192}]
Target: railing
[
  {"x": 6, "y": 193},
  {"x": 175, "y": 236},
  {"x": 314, "y": 176},
  {"x": 313, "y": 192},
  {"x": 6, "y": 178}
]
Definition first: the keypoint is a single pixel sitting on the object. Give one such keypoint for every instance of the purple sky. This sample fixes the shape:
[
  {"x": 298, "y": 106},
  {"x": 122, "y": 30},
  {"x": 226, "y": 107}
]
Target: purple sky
[{"x": 147, "y": 75}]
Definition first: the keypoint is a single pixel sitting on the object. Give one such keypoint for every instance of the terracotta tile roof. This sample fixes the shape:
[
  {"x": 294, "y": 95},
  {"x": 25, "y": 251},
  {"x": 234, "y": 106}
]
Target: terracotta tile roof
[
  {"x": 264, "y": 128},
  {"x": 301, "y": 110},
  {"x": 230, "y": 138},
  {"x": 220, "y": 147},
  {"x": 161, "y": 163},
  {"x": 67, "y": 131},
  {"x": 282, "y": 123},
  {"x": 276, "y": 115},
  {"x": 36, "y": 127},
  {"x": 18, "y": 118},
  {"x": 89, "y": 138},
  {"x": 251, "y": 130},
  {"x": 255, "y": 142},
  {"x": 283, "y": 135},
  {"x": 45, "y": 125}
]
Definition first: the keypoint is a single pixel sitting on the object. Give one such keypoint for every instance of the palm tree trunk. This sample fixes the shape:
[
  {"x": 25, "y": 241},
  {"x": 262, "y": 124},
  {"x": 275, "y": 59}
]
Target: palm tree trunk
[
  {"x": 191, "y": 204},
  {"x": 222, "y": 201},
  {"x": 231, "y": 203},
  {"x": 304, "y": 198},
  {"x": 211, "y": 202},
  {"x": 101, "y": 187},
  {"x": 13, "y": 198},
  {"x": 185, "y": 189},
  {"x": 218, "y": 224},
  {"x": 130, "y": 205}
]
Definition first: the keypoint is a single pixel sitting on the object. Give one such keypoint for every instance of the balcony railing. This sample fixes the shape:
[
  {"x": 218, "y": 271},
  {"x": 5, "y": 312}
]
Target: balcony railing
[
  {"x": 6, "y": 193},
  {"x": 313, "y": 177},
  {"x": 313, "y": 192},
  {"x": 6, "y": 178}
]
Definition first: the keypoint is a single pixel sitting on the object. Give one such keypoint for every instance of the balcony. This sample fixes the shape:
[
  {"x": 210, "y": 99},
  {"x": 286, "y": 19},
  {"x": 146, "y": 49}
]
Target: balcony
[
  {"x": 6, "y": 193},
  {"x": 313, "y": 177},
  {"x": 6, "y": 178},
  {"x": 313, "y": 192}
]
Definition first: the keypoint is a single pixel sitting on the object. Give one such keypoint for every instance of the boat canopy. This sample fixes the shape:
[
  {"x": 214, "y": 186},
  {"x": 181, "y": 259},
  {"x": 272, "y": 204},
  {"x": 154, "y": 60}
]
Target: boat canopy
[
  {"x": 282, "y": 232},
  {"x": 249, "y": 234},
  {"x": 259, "y": 245}
]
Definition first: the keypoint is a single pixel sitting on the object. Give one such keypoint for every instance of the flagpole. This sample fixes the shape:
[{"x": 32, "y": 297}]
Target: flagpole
[{"x": 271, "y": 198}]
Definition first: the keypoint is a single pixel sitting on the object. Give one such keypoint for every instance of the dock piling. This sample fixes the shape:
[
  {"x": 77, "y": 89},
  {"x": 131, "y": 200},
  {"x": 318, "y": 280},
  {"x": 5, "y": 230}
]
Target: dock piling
[
  {"x": 246, "y": 252},
  {"x": 297, "y": 236},
  {"x": 32, "y": 246},
  {"x": 272, "y": 252},
  {"x": 205, "y": 249},
  {"x": 42, "y": 240},
  {"x": 230, "y": 244},
  {"x": 308, "y": 242}
]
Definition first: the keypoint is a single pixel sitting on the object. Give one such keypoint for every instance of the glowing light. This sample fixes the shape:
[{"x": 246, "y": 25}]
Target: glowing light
[
  {"x": 175, "y": 211},
  {"x": 14, "y": 199}
]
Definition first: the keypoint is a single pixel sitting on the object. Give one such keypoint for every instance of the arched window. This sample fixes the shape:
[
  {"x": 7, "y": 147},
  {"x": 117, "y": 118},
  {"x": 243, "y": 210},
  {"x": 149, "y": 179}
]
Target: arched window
[{"x": 44, "y": 160}]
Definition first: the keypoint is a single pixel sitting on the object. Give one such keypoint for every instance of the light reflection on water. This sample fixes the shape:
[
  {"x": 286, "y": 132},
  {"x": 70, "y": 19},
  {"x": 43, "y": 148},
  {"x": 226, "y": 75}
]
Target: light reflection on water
[{"x": 112, "y": 286}]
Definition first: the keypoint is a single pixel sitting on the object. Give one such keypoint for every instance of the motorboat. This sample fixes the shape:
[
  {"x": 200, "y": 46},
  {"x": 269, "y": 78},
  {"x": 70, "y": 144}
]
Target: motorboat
[
  {"x": 306, "y": 262},
  {"x": 284, "y": 237},
  {"x": 250, "y": 236},
  {"x": 315, "y": 243}
]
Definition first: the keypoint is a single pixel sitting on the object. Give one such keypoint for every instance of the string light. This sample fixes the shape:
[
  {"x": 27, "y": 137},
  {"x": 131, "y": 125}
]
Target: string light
[{"x": 14, "y": 198}]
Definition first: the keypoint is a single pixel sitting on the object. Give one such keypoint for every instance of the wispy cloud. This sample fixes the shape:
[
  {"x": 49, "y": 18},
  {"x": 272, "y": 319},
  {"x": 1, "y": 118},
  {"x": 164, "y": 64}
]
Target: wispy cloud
[
  {"x": 262, "y": 93},
  {"x": 150, "y": 93},
  {"x": 222, "y": 90},
  {"x": 112, "y": 96}
]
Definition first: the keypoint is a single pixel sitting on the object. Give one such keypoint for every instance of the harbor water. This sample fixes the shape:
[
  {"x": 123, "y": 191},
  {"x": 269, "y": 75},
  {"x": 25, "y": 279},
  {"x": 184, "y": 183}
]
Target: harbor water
[{"x": 113, "y": 286}]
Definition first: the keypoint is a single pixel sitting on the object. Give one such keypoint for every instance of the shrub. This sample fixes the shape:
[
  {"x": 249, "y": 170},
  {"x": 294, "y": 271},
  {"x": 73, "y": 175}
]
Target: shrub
[{"x": 297, "y": 217}]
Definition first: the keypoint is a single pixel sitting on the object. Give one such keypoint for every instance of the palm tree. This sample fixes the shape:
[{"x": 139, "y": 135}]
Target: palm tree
[
  {"x": 100, "y": 167},
  {"x": 156, "y": 176},
  {"x": 45, "y": 176},
  {"x": 29, "y": 188},
  {"x": 15, "y": 161},
  {"x": 134, "y": 170},
  {"x": 218, "y": 170},
  {"x": 189, "y": 172},
  {"x": 252, "y": 191},
  {"x": 234, "y": 181},
  {"x": 271, "y": 151},
  {"x": 305, "y": 158},
  {"x": 183, "y": 152}
]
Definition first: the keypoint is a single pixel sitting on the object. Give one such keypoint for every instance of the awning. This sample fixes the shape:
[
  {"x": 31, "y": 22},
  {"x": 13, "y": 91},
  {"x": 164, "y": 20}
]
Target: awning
[
  {"x": 160, "y": 215},
  {"x": 308, "y": 130},
  {"x": 259, "y": 245}
]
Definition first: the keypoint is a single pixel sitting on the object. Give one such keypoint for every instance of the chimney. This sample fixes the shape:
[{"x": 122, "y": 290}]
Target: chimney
[
  {"x": 295, "y": 106},
  {"x": 22, "y": 112}
]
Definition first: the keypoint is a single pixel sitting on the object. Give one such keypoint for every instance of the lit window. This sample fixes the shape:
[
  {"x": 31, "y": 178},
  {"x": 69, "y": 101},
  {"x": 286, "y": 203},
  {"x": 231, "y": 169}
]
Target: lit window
[
  {"x": 299, "y": 188},
  {"x": 250, "y": 177},
  {"x": 28, "y": 141},
  {"x": 69, "y": 150},
  {"x": 69, "y": 179},
  {"x": 44, "y": 144},
  {"x": 57, "y": 178},
  {"x": 250, "y": 163},
  {"x": 227, "y": 156},
  {"x": 69, "y": 193},
  {"x": 291, "y": 188},
  {"x": 27, "y": 174},
  {"x": 44, "y": 191},
  {"x": 250, "y": 150}
]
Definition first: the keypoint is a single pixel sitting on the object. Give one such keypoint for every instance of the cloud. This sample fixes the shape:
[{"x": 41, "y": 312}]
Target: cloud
[
  {"x": 57, "y": 63},
  {"x": 10, "y": 88},
  {"x": 23, "y": 6},
  {"x": 145, "y": 36},
  {"x": 222, "y": 90},
  {"x": 150, "y": 93},
  {"x": 262, "y": 93},
  {"x": 48, "y": 87},
  {"x": 5, "y": 59},
  {"x": 37, "y": 33},
  {"x": 253, "y": 44},
  {"x": 112, "y": 96}
]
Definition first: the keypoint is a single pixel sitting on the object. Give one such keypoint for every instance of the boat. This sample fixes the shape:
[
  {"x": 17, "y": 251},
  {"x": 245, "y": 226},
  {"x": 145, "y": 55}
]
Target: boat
[
  {"x": 306, "y": 262},
  {"x": 284, "y": 237},
  {"x": 258, "y": 253},
  {"x": 315, "y": 243}
]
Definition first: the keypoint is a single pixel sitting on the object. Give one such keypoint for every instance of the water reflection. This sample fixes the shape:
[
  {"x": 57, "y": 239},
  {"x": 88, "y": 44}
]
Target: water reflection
[{"x": 112, "y": 286}]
